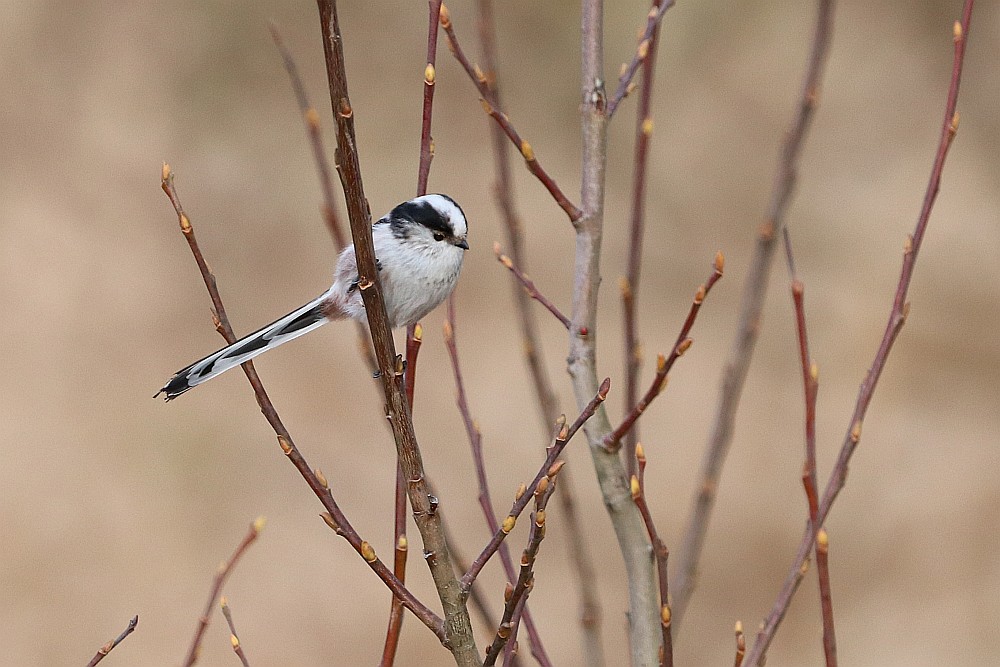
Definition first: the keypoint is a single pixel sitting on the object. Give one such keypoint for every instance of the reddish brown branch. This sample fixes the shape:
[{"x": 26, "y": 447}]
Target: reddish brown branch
[
  {"x": 810, "y": 381},
  {"x": 430, "y": 76},
  {"x": 333, "y": 516},
  {"x": 233, "y": 637},
  {"x": 220, "y": 578},
  {"x": 897, "y": 317},
  {"x": 737, "y": 363},
  {"x": 566, "y": 432},
  {"x": 630, "y": 282},
  {"x": 529, "y": 287},
  {"x": 107, "y": 648},
  {"x": 644, "y": 52},
  {"x": 479, "y": 462},
  {"x": 741, "y": 645},
  {"x": 527, "y": 152},
  {"x": 518, "y": 594},
  {"x": 660, "y": 552},
  {"x": 612, "y": 442}
]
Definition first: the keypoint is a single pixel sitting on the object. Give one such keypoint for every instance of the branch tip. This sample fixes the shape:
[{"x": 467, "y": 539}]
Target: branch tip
[
  {"x": 635, "y": 487},
  {"x": 258, "y": 523},
  {"x": 720, "y": 262}
]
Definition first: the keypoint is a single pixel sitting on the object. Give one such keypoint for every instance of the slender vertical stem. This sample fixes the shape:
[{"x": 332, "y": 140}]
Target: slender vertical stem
[{"x": 460, "y": 639}]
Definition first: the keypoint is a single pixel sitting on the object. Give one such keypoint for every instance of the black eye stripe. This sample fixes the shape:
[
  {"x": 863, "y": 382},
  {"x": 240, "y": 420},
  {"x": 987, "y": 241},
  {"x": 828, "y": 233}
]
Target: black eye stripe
[{"x": 423, "y": 214}]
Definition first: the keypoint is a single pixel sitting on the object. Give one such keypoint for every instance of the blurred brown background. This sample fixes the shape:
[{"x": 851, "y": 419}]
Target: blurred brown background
[{"x": 114, "y": 504}]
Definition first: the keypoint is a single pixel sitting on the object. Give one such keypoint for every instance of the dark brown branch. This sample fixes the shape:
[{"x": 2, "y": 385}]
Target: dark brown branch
[
  {"x": 479, "y": 462},
  {"x": 526, "y": 577},
  {"x": 107, "y": 648},
  {"x": 233, "y": 637},
  {"x": 460, "y": 639},
  {"x": 897, "y": 316},
  {"x": 645, "y": 52},
  {"x": 566, "y": 432},
  {"x": 333, "y": 516},
  {"x": 810, "y": 381},
  {"x": 612, "y": 441},
  {"x": 737, "y": 364},
  {"x": 529, "y": 287},
  {"x": 660, "y": 552},
  {"x": 220, "y": 578},
  {"x": 527, "y": 152}
]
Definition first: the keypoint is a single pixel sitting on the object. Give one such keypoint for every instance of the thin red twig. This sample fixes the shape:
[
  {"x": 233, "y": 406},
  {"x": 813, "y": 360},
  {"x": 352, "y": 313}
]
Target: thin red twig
[
  {"x": 810, "y": 381},
  {"x": 630, "y": 282},
  {"x": 430, "y": 77},
  {"x": 529, "y": 287},
  {"x": 566, "y": 432},
  {"x": 645, "y": 51},
  {"x": 897, "y": 317},
  {"x": 107, "y": 648},
  {"x": 527, "y": 152},
  {"x": 612, "y": 442},
  {"x": 220, "y": 578}
]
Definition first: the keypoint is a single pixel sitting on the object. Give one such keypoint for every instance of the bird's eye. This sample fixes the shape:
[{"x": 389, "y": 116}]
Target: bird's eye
[{"x": 438, "y": 236}]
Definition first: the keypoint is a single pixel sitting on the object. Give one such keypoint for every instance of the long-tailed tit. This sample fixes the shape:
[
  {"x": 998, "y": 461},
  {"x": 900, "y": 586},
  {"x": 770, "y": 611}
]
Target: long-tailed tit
[{"x": 419, "y": 247}]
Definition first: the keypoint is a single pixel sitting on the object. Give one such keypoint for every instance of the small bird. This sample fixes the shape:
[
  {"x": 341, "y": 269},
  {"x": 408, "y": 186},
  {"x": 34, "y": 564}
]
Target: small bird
[{"x": 419, "y": 248}]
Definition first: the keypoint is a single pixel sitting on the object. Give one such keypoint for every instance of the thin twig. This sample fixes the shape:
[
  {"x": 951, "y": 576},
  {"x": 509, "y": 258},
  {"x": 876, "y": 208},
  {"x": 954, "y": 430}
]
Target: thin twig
[
  {"x": 644, "y": 52},
  {"x": 660, "y": 552},
  {"x": 485, "y": 499},
  {"x": 107, "y": 648},
  {"x": 225, "y": 569},
  {"x": 810, "y": 381},
  {"x": 333, "y": 515},
  {"x": 233, "y": 637},
  {"x": 630, "y": 282},
  {"x": 897, "y": 316},
  {"x": 527, "y": 152},
  {"x": 737, "y": 364},
  {"x": 517, "y": 595},
  {"x": 566, "y": 432},
  {"x": 529, "y": 287},
  {"x": 460, "y": 639},
  {"x": 612, "y": 441},
  {"x": 430, "y": 76},
  {"x": 741, "y": 645}
]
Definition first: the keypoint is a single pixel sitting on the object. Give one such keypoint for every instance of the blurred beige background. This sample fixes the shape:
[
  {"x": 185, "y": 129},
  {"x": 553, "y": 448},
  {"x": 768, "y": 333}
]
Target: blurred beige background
[{"x": 114, "y": 504}]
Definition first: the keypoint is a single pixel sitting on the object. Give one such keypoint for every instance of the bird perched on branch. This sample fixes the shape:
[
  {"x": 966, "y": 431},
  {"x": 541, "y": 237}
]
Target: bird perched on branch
[{"x": 419, "y": 248}]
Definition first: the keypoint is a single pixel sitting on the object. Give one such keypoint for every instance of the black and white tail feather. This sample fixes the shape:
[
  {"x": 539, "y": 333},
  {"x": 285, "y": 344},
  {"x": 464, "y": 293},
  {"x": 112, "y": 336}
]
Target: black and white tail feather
[{"x": 420, "y": 246}]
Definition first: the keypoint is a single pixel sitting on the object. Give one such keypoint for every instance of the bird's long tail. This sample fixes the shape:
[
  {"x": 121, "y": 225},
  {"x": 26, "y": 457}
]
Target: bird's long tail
[{"x": 301, "y": 321}]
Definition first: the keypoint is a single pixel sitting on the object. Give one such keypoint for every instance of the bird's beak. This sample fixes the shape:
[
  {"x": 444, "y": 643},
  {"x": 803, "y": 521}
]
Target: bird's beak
[{"x": 461, "y": 243}]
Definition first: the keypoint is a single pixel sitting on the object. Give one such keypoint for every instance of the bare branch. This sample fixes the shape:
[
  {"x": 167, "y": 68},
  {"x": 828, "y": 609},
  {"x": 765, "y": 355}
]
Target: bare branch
[
  {"x": 612, "y": 441},
  {"x": 233, "y": 637},
  {"x": 527, "y": 152},
  {"x": 225, "y": 569},
  {"x": 644, "y": 52},
  {"x": 737, "y": 364},
  {"x": 897, "y": 316},
  {"x": 107, "y": 648},
  {"x": 530, "y": 288}
]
